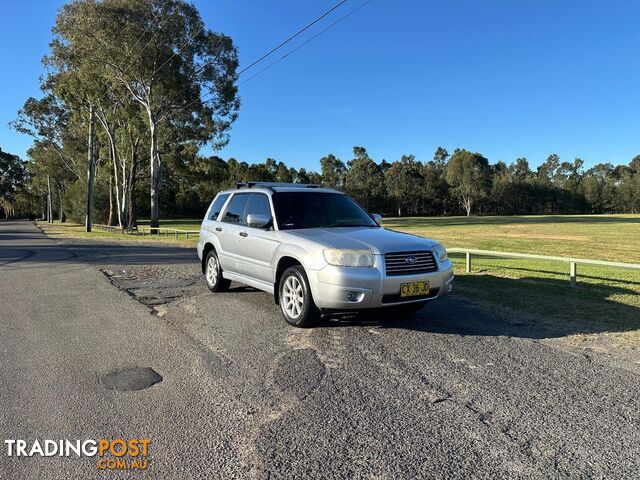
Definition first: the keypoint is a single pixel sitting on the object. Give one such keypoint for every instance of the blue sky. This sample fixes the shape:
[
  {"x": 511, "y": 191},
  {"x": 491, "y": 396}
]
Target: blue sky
[{"x": 506, "y": 78}]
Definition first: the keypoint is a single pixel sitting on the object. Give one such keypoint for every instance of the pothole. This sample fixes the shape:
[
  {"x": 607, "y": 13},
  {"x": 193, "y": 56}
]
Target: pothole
[{"x": 131, "y": 378}]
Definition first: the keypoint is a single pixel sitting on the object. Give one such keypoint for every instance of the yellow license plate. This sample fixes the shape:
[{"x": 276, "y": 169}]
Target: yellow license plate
[{"x": 414, "y": 289}]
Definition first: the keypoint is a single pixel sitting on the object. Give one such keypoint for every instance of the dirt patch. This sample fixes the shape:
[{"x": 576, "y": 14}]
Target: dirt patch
[{"x": 156, "y": 285}]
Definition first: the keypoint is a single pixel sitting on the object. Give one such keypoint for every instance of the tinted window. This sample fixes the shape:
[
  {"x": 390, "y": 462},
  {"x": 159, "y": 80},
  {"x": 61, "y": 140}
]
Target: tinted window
[
  {"x": 315, "y": 209},
  {"x": 217, "y": 205},
  {"x": 258, "y": 203},
  {"x": 235, "y": 210}
]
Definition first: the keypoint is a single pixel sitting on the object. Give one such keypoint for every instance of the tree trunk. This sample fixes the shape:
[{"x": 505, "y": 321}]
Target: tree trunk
[
  {"x": 90, "y": 171},
  {"x": 61, "y": 215},
  {"x": 399, "y": 211},
  {"x": 131, "y": 186},
  {"x": 155, "y": 173},
  {"x": 49, "y": 206},
  {"x": 116, "y": 170},
  {"x": 113, "y": 155},
  {"x": 111, "y": 219}
]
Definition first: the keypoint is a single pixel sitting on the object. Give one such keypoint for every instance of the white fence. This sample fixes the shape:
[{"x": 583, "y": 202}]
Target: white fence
[
  {"x": 174, "y": 232},
  {"x": 573, "y": 262}
]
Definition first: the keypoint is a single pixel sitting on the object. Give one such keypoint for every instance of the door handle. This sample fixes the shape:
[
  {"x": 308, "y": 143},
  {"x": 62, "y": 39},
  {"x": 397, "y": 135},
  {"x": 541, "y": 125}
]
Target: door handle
[
  {"x": 244, "y": 234},
  {"x": 218, "y": 229}
]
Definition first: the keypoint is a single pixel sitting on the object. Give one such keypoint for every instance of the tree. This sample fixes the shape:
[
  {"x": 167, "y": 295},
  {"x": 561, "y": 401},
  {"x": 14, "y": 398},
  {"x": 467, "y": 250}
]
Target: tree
[
  {"x": 47, "y": 121},
  {"x": 440, "y": 157},
  {"x": 364, "y": 180},
  {"x": 333, "y": 172},
  {"x": 468, "y": 175},
  {"x": 162, "y": 54},
  {"x": 12, "y": 176},
  {"x": 403, "y": 182}
]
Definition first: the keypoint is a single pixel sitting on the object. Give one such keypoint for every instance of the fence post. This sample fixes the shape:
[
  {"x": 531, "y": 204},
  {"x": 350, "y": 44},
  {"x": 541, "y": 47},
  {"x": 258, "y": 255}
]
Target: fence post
[
  {"x": 468, "y": 257},
  {"x": 186, "y": 236},
  {"x": 573, "y": 271}
]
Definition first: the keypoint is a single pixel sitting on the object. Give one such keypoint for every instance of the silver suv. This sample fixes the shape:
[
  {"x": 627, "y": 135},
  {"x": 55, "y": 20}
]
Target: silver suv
[{"x": 317, "y": 251}]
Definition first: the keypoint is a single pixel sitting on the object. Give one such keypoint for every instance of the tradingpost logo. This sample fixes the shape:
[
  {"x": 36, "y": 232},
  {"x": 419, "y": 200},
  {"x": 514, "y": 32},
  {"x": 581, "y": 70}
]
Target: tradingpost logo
[{"x": 115, "y": 454}]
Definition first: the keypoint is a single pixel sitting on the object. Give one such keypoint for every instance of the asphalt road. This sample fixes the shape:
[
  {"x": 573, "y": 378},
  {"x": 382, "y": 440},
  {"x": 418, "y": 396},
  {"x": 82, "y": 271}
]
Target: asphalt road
[{"x": 449, "y": 393}]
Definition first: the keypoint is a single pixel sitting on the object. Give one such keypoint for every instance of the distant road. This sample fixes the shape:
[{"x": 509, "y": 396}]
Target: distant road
[{"x": 447, "y": 394}]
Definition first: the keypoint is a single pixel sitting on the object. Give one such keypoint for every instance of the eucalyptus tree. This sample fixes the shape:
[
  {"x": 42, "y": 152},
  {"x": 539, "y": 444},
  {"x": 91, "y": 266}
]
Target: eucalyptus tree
[
  {"x": 180, "y": 73},
  {"x": 13, "y": 175},
  {"x": 47, "y": 121},
  {"x": 469, "y": 177},
  {"x": 403, "y": 181},
  {"x": 333, "y": 171},
  {"x": 364, "y": 180}
]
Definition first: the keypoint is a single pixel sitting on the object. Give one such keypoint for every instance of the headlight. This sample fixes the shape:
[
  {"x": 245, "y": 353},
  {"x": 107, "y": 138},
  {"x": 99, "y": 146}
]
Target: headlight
[
  {"x": 349, "y": 258},
  {"x": 440, "y": 252}
]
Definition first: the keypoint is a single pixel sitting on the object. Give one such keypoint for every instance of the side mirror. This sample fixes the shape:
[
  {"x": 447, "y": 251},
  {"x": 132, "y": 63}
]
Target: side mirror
[
  {"x": 377, "y": 217},
  {"x": 258, "y": 220}
]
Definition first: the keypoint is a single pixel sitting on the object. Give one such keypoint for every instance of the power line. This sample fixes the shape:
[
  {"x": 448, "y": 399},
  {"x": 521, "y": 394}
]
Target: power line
[
  {"x": 282, "y": 44},
  {"x": 344, "y": 17}
]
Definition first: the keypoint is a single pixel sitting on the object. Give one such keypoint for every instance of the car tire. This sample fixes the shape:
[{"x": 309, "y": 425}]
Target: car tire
[
  {"x": 213, "y": 274},
  {"x": 296, "y": 301}
]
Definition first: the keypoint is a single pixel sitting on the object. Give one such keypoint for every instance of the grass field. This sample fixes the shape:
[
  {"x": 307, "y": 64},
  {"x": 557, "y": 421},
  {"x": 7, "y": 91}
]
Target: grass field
[{"x": 606, "y": 302}]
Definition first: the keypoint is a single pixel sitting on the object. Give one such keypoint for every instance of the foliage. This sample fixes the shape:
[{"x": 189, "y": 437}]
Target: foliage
[
  {"x": 365, "y": 180},
  {"x": 13, "y": 175},
  {"x": 469, "y": 176}
]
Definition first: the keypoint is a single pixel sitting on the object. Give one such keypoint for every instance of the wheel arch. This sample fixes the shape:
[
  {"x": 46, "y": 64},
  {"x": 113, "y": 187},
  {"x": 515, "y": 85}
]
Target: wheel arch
[
  {"x": 205, "y": 251},
  {"x": 284, "y": 262}
]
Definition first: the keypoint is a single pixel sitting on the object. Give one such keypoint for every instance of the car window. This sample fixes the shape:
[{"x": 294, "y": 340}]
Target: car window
[
  {"x": 317, "y": 210},
  {"x": 217, "y": 205},
  {"x": 258, "y": 204},
  {"x": 235, "y": 210}
]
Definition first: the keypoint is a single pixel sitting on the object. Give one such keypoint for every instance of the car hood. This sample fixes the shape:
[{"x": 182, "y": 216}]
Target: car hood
[{"x": 380, "y": 240}]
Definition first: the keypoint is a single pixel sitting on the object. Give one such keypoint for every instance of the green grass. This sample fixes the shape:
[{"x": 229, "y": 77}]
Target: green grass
[
  {"x": 606, "y": 301},
  {"x": 182, "y": 224},
  {"x": 74, "y": 230}
]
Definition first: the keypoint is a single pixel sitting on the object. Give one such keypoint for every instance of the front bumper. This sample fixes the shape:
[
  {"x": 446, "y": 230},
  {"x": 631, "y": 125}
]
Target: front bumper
[{"x": 354, "y": 288}]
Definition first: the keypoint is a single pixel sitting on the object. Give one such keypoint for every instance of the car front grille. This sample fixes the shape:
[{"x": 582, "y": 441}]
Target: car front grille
[{"x": 409, "y": 263}]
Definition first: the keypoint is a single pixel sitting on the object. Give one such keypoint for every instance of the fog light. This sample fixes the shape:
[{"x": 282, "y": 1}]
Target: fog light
[{"x": 355, "y": 296}]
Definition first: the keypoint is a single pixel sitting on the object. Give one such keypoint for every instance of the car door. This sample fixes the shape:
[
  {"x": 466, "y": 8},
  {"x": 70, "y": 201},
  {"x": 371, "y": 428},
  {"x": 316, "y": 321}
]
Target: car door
[
  {"x": 228, "y": 231},
  {"x": 256, "y": 245},
  {"x": 210, "y": 221}
]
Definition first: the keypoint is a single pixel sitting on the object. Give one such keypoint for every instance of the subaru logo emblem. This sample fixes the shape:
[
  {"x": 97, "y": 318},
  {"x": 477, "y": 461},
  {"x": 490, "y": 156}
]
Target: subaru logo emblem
[{"x": 410, "y": 260}]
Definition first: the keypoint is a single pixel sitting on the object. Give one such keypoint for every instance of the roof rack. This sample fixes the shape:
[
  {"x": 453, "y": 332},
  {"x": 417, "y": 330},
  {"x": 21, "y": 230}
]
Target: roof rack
[{"x": 272, "y": 185}]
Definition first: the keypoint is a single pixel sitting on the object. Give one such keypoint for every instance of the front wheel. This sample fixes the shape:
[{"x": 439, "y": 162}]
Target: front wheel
[
  {"x": 296, "y": 302},
  {"x": 213, "y": 274}
]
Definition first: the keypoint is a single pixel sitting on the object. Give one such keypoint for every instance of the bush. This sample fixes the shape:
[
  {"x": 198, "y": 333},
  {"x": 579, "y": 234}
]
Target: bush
[{"x": 75, "y": 200}]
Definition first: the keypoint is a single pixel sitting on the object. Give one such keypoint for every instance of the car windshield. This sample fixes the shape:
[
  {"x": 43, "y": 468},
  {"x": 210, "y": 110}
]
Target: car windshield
[{"x": 317, "y": 209}]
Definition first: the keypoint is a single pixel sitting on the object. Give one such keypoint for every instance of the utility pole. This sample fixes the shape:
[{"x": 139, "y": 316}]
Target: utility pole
[
  {"x": 49, "y": 208},
  {"x": 90, "y": 170}
]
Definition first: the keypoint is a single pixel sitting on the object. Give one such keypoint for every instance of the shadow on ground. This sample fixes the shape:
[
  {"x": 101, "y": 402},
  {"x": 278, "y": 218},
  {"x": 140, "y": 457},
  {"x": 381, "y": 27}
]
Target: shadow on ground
[{"x": 536, "y": 308}]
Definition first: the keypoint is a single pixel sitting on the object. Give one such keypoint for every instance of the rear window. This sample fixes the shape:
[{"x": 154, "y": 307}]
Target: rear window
[
  {"x": 217, "y": 205},
  {"x": 235, "y": 210}
]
